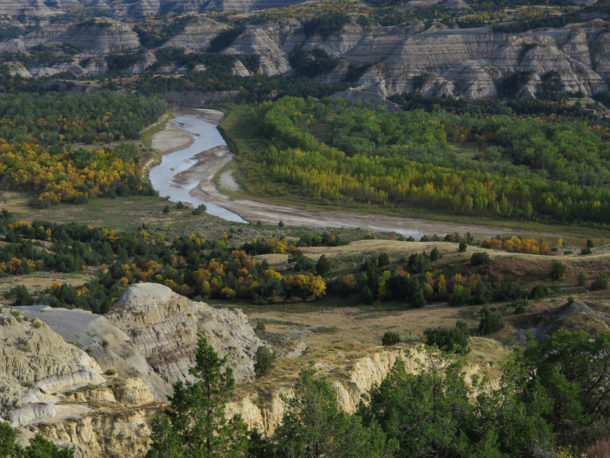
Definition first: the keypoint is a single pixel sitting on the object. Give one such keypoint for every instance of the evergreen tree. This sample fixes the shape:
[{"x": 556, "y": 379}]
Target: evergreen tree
[
  {"x": 195, "y": 424},
  {"x": 322, "y": 266},
  {"x": 313, "y": 425},
  {"x": 38, "y": 447}
]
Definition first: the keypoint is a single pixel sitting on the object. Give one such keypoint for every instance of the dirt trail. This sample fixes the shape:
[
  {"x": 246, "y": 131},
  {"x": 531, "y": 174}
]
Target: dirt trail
[{"x": 212, "y": 160}]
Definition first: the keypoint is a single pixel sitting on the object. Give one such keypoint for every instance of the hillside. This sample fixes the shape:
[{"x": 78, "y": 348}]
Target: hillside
[{"x": 461, "y": 50}]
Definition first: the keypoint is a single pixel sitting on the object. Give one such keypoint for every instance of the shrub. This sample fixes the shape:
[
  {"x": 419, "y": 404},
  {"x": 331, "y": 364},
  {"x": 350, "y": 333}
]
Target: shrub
[
  {"x": 166, "y": 209},
  {"x": 367, "y": 296},
  {"x": 447, "y": 339},
  {"x": 490, "y": 321},
  {"x": 419, "y": 299},
  {"x": 462, "y": 247},
  {"x": 458, "y": 296},
  {"x": 418, "y": 263},
  {"x": 479, "y": 259},
  {"x": 199, "y": 210},
  {"x": 260, "y": 326},
  {"x": 581, "y": 279},
  {"x": 325, "y": 24},
  {"x": 539, "y": 291},
  {"x": 390, "y": 338},
  {"x": 435, "y": 254},
  {"x": 22, "y": 295},
  {"x": 557, "y": 270},
  {"x": 263, "y": 361},
  {"x": 110, "y": 372},
  {"x": 383, "y": 259},
  {"x": 482, "y": 294},
  {"x": 601, "y": 282},
  {"x": 322, "y": 266}
]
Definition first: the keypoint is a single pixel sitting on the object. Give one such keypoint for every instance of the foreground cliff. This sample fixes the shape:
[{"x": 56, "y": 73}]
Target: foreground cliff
[{"x": 95, "y": 382}]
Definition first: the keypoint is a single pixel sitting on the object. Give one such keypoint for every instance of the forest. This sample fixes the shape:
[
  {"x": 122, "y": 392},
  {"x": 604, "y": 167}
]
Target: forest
[
  {"x": 221, "y": 269},
  {"x": 40, "y": 136},
  {"x": 511, "y": 166}
]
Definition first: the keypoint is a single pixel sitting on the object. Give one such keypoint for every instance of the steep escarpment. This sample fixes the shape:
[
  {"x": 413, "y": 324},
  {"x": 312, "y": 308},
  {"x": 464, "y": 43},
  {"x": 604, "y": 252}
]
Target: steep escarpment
[
  {"x": 35, "y": 365},
  {"x": 472, "y": 62},
  {"x": 388, "y": 60},
  {"x": 95, "y": 381},
  {"x": 262, "y": 405},
  {"x": 109, "y": 346},
  {"x": 166, "y": 326}
]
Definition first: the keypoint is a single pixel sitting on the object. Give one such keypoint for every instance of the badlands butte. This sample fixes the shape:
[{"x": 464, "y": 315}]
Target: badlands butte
[{"x": 427, "y": 52}]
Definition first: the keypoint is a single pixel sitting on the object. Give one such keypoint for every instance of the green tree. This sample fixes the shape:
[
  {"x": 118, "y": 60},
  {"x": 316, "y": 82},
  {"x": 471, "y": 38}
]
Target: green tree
[
  {"x": 263, "y": 361},
  {"x": 8, "y": 437},
  {"x": 390, "y": 338},
  {"x": 426, "y": 413},
  {"x": 478, "y": 259},
  {"x": 38, "y": 447},
  {"x": 557, "y": 270},
  {"x": 322, "y": 266},
  {"x": 600, "y": 282},
  {"x": 449, "y": 339},
  {"x": 313, "y": 425},
  {"x": 195, "y": 424},
  {"x": 572, "y": 369},
  {"x": 383, "y": 259},
  {"x": 490, "y": 321}
]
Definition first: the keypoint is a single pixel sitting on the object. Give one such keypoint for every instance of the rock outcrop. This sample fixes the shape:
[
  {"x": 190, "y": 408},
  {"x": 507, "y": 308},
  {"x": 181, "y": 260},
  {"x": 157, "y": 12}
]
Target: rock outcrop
[
  {"x": 95, "y": 381},
  {"x": 165, "y": 327},
  {"x": 471, "y": 62},
  {"x": 459, "y": 62},
  {"x": 109, "y": 346},
  {"x": 264, "y": 408},
  {"x": 36, "y": 365}
]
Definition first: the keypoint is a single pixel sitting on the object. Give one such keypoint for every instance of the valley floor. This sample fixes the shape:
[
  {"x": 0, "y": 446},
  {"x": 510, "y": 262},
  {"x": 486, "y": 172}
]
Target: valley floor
[{"x": 211, "y": 169}]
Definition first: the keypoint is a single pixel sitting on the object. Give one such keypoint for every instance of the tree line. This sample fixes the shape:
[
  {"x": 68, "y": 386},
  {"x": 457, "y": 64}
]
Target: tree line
[
  {"x": 525, "y": 168},
  {"x": 551, "y": 396},
  {"x": 37, "y": 156}
]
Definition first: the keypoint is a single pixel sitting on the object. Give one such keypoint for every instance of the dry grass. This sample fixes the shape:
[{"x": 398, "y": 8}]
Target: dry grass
[
  {"x": 40, "y": 281},
  {"x": 601, "y": 449}
]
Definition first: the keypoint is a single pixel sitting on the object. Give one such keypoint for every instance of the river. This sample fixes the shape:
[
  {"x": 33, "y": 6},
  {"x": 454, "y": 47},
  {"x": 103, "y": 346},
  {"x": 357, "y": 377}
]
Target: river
[
  {"x": 163, "y": 177},
  {"x": 187, "y": 175}
]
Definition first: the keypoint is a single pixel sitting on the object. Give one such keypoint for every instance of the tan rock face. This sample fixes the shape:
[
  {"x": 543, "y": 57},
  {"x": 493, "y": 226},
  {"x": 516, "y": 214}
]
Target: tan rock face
[
  {"x": 35, "y": 365},
  {"x": 123, "y": 433},
  {"x": 264, "y": 410},
  {"x": 165, "y": 327},
  {"x": 110, "y": 347},
  {"x": 101, "y": 400}
]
